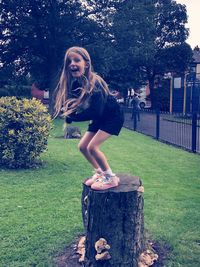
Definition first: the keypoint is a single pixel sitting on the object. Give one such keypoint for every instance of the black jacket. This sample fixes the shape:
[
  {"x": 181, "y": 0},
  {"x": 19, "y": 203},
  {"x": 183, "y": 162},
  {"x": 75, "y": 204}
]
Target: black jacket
[
  {"x": 97, "y": 105},
  {"x": 92, "y": 107}
]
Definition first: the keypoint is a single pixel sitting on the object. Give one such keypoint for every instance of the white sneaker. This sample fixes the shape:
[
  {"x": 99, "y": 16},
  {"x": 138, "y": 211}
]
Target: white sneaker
[
  {"x": 97, "y": 176},
  {"x": 106, "y": 183}
]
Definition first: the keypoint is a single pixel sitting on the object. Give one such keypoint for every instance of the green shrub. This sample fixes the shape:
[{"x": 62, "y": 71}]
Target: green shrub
[{"x": 24, "y": 129}]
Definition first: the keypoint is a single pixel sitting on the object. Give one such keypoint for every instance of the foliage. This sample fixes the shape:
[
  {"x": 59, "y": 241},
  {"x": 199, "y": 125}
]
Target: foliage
[
  {"x": 24, "y": 129},
  {"x": 149, "y": 40},
  {"x": 175, "y": 58},
  {"x": 16, "y": 90},
  {"x": 171, "y": 53},
  {"x": 161, "y": 97},
  {"x": 133, "y": 34},
  {"x": 129, "y": 41},
  {"x": 36, "y": 34},
  {"x": 4, "y": 92}
]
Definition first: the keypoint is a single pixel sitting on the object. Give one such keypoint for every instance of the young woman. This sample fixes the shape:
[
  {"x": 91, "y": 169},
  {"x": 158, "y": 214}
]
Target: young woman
[{"x": 83, "y": 95}]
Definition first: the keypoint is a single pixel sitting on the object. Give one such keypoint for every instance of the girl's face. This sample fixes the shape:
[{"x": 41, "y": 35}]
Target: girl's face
[{"x": 76, "y": 65}]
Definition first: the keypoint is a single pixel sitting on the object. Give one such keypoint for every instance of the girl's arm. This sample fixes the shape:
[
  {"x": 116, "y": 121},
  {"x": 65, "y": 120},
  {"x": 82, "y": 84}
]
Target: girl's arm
[{"x": 93, "y": 111}]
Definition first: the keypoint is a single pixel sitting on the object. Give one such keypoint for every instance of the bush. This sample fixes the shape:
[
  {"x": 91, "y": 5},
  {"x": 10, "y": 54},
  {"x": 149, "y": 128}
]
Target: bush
[{"x": 24, "y": 129}]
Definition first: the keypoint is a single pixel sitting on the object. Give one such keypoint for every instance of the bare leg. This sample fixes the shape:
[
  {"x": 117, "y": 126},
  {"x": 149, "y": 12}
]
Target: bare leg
[
  {"x": 95, "y": 156},
  {"x": 83, "y": 144},
  {"x": 93, "y": 149}
]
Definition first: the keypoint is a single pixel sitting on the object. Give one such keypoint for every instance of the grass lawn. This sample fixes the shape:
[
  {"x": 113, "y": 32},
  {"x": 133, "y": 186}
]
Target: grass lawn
[{"x": 40, "y": 209}]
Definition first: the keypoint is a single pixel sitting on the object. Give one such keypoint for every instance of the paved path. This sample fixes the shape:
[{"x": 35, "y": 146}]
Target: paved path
[{"x": 176, "y": 133}]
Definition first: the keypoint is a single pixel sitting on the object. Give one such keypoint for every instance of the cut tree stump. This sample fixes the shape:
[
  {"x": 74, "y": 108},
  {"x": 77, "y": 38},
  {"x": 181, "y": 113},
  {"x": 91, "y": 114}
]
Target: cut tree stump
[{"x": 117, "y": 216}]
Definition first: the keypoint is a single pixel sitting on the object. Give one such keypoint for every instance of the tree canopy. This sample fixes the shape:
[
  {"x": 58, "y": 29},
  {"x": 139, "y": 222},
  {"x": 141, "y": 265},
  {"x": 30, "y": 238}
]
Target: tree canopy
[
  {"x": 130, "y": 41},
  {"x": 35, "y": 35},
  {"x": 150, "y": 38}
]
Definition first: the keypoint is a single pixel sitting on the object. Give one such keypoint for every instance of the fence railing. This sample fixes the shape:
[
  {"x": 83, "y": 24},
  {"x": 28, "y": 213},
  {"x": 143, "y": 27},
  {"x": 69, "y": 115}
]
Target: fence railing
[{"x": 182, "y": 130}]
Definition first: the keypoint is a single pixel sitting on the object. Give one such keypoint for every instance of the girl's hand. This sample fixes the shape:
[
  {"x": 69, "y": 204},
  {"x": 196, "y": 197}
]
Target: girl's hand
[{"x": 68, "y": 120}]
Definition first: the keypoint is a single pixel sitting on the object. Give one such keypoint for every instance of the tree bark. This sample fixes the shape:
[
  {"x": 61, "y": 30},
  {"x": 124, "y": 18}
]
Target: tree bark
[{"x": 116, "y": 215}]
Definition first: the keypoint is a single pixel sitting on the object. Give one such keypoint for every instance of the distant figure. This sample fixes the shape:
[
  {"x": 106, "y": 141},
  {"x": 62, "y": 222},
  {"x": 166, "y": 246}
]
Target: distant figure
[{"x": 136, "y": 107}]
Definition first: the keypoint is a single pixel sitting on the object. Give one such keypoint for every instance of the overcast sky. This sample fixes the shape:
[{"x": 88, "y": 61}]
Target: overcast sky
[{"x": 193, "y": 11}]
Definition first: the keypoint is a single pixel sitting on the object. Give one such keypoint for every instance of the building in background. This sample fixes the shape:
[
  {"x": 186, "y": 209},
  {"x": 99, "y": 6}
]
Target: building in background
[{"x": 185, "y": 91}]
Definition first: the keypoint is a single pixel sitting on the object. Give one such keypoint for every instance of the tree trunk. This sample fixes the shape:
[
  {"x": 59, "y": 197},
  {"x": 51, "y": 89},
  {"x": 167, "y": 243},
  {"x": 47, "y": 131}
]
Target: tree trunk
[{"x": 116, "y": 215}]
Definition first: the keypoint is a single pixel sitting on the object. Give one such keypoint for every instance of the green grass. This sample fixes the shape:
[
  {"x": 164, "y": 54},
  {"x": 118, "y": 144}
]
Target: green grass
[{"x": 40, "y": 209}]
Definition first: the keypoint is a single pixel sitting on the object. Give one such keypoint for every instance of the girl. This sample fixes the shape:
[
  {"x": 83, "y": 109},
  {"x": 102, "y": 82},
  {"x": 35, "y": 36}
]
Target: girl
[{"x": 83, "y": 96}]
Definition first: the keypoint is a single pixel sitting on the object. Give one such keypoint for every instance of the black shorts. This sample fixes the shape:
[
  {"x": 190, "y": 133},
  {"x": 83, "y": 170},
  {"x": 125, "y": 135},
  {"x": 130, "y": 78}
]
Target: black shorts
[{"x": 109, "y": 123}]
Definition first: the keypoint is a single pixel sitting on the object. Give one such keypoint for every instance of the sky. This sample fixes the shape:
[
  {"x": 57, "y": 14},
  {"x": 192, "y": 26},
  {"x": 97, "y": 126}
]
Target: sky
[{"x": 193, "y": 12}]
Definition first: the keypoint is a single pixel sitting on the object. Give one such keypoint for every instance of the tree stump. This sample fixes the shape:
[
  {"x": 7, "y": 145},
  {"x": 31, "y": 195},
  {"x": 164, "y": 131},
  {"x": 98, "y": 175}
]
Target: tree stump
[{"x": 117, "y": 216}]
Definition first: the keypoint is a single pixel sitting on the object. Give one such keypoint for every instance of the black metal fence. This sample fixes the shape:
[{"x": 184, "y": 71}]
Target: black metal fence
[{"x": 176, "y": 128}]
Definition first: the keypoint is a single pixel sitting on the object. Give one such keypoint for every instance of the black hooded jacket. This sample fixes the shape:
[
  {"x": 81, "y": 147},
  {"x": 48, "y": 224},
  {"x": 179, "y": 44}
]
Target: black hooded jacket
[{"x": 97, "y": 105}]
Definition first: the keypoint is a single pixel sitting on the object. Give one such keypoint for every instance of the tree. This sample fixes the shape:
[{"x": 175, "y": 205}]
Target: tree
[
  {"x": 35, "y": 35},
  {"x": 175, "y": 58},
  {"x": 130, "y": 41},
  {"x": 149, "y": 39},
  {"x": 171, "y": 53},
  {"x": 132, "y": 26},
  {"x": 30, "y": 36}
]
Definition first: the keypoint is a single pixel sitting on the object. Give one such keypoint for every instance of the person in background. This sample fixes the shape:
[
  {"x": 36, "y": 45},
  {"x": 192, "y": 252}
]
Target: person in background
[{"x": 136, "y": 107}]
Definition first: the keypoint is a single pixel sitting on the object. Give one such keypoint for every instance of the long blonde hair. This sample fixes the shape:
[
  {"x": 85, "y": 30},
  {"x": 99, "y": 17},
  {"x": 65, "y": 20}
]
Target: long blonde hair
[{"x": 89, "y": 80}]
